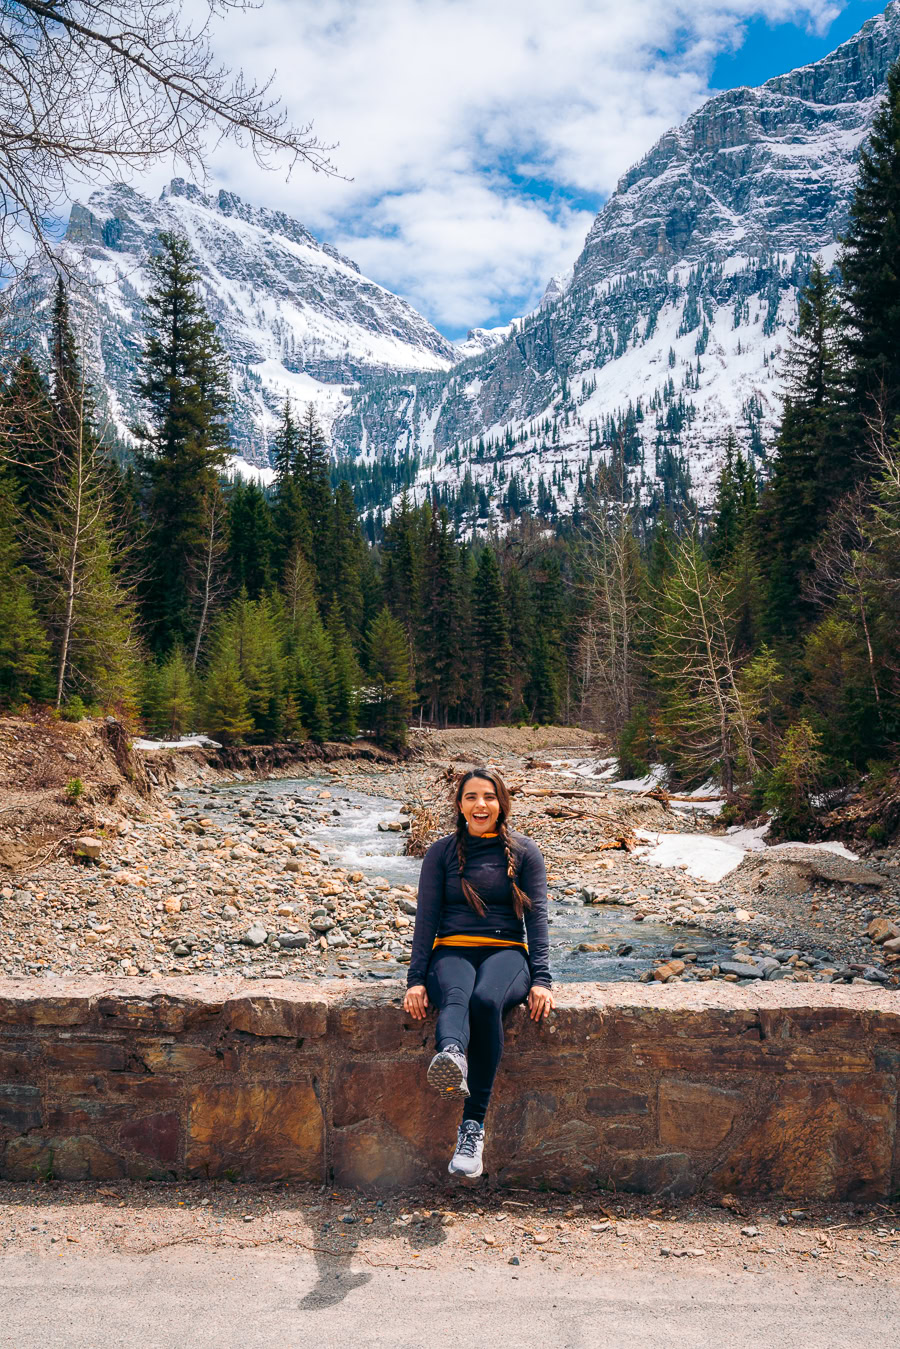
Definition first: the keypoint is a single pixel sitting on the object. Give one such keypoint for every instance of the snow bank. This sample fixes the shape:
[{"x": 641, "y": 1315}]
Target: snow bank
[
  {"x": 186, "y": 742},
  {"x": 710, "y": 857}
]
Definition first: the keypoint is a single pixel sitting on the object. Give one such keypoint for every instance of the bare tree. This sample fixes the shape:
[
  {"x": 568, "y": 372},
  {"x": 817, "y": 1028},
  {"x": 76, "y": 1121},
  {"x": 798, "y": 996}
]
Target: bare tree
[
  {"x": 608, "y": 663},
  {"x": 705, "y": 716},
  {"x": 843, "y": 568},
  {"x": 208, "y": 580},
  {"x": 92, "y": 89}
]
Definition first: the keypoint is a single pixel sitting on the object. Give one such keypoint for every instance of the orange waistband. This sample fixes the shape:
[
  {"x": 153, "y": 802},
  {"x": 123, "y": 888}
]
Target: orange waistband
[{"x": 462, "y": 940}]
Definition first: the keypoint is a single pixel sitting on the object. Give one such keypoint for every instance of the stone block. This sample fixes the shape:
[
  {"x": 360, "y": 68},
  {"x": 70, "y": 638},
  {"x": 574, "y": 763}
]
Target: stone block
[
  {"x": 48, "y": 1010},
  {"x": 291, "y": 1017},
  {"x": 114, "y": 1087},
  {"x": 82, "y": 1158},
  {"x": 175, "y": 1058},
  {"x": 162, "y": 1012},
  {"x": 85, "y": 1054},
  {"x": 825, "y": 1139},
  {"x": 696, "y": 1116},
  {"x": 610, "y": 1099},
  {"x": 381, "y": 1024},
  {"x": 394, "y": 1092},
  {"x": 661, "y": 1173},
  {"x": 18, "y": 1060},
  {"x": 20, "y": 1107},
  {"x": 154, "y": 1136},
  {"x": 266, "y": 1131},
  {"x": 372, "y": 1155},
  {"x": 565, "y": 1157}
]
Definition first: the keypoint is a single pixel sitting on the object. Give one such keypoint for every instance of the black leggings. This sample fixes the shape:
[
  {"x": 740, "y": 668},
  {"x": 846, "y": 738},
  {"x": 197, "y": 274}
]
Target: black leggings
[{"x": 474, "y": 986}]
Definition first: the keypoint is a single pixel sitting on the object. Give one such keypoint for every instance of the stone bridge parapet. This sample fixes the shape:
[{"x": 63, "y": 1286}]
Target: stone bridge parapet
[{"x": 789, "y": 1089}]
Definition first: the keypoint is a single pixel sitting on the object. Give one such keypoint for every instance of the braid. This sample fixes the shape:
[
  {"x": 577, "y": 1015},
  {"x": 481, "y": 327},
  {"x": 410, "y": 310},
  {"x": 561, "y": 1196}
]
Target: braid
[{"x": 521, "y": 902}]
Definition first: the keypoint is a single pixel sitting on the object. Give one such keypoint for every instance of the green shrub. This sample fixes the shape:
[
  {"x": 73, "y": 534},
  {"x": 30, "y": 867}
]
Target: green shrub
[
  {"x": 73, "y": 710},
  {"x": 635, "y": 744},
  {"x": 74, "y": 789}
]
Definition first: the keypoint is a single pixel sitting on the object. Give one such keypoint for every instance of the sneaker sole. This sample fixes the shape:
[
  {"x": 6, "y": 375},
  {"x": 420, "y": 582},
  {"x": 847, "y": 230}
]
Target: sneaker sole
[
  {"x": 466, "y": 1175},
  {"x": 445, "y": 1075}
]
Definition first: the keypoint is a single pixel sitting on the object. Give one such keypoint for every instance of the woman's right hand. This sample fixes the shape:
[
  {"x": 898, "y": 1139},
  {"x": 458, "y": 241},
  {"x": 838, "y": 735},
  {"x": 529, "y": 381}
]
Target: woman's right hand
[{"x": 416, "y": 1002}]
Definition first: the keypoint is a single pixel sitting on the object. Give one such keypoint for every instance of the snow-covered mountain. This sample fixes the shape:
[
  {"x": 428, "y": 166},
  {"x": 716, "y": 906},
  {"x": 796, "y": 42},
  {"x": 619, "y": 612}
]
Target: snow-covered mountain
[
  {"x": 295, "y": 315},
  {"x": 678, "y": 307}
]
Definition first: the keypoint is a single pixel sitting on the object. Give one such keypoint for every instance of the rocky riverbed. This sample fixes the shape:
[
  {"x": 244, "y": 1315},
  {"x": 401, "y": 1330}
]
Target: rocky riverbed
[{"x": 307, "y": 878}]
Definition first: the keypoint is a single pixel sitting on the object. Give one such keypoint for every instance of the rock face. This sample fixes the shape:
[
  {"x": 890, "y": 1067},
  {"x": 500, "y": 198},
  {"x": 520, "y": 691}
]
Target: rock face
[
  {"x": 750, "y": 1090},
  {"x": 678, "y": 306},
  {"x": 293, "y": 313}
]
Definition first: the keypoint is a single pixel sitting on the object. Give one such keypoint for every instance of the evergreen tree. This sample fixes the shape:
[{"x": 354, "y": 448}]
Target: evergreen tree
[
  {"x": 314, "y": 482},
  {"x": 292, "y": 527},
  {"x": 870, "y": 264},
  {"x": 493, "y": 653},
  {"x": 183, "y": 383},
  {"x": 813, "y": 466},
  {"x": 169, "y": 702},
  {"x": 226, "y": 712},
  {"x": 347, "y": 679},
  {"x": 23, "y": 644},
  {"x": 439, "y": 638},
  {"x": 349, "y": 550},
  {"x": 78, "y": 549},
  {"x": 389, "y": 694},
  {"x": 250, "y": 539},
  {"x": 490, "y": 638}
]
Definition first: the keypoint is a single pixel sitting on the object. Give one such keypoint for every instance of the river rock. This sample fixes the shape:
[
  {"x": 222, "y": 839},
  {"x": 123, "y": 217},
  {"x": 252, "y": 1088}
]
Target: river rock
[
  {"x": 882, "y": 930},
  {"x": 741, "y": 971},
  {"x": 88, "y": 846},
  {"x": 322, "y": 924},
  {"x": 255, "y": 935},
  {"x": 407, "y": 906},
  {"x": 293, "y": 941}
]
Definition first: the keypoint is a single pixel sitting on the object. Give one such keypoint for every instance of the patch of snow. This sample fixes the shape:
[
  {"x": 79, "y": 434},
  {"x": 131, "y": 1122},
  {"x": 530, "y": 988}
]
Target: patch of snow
[
  {"x": 706, "y": 857},
  {"x": 655, "y": 778},
  {"x": 186, "y": 742}
]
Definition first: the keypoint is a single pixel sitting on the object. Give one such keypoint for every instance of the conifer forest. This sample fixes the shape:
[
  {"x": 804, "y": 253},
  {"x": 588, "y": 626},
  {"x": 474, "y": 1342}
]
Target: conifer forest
[{"x": 755, "y": 643}]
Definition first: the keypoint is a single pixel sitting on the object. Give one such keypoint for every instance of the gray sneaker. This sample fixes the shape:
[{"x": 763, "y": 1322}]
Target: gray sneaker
[
  {"x": 466, "y": 1160},
  {"x": 447, "y": 1071}
]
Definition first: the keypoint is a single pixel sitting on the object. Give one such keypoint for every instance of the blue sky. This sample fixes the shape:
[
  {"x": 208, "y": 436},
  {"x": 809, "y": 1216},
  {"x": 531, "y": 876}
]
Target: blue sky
[{"x": 478, "y": 138}]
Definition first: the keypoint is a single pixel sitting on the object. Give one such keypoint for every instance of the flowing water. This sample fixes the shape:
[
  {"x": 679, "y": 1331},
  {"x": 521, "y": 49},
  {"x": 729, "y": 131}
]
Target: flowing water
[{"x": 346, "y": 828}]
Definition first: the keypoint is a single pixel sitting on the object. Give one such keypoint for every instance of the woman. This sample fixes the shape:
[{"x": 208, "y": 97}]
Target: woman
[{"x": 476, "y": 889}]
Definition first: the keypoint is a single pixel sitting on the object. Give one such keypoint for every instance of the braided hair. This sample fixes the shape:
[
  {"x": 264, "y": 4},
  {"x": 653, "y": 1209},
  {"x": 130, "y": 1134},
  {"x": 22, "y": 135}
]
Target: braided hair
[{"x": 521, "y": 902}]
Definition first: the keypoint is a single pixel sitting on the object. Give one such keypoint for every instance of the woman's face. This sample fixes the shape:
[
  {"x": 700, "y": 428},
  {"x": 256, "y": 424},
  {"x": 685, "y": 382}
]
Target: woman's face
[{"x": 480, "y": 806}]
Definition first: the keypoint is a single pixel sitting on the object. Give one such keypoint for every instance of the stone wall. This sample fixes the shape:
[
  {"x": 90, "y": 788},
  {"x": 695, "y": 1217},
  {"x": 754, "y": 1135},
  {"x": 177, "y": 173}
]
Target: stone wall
[{"x": 785, "y": 1088}]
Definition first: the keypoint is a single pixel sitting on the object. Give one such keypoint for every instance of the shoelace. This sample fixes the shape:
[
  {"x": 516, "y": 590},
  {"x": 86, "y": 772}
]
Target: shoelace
[{"x": 467, "y": 1141}]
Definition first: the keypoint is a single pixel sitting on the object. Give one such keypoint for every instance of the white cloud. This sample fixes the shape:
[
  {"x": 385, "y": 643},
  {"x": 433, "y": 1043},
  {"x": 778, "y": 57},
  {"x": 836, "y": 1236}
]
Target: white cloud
[{"x": 443, "y": 107}]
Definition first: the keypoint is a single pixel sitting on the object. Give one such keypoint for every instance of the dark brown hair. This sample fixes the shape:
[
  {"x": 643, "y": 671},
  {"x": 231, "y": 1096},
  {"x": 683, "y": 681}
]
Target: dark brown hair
[{"x": 521, "y": 902}]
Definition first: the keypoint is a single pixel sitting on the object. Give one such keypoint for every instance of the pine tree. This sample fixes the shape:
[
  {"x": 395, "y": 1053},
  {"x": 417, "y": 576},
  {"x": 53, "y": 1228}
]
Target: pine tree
[
  {"x": 814, "y": 465},
  {"x": 439, "y": 640},
  {"x": 314, "y": 481},
  {"x": 24, "y": 648},
  {"x": 183, "y": 383},
  {"x": 349, "y": 550},
  {"x": 250, "y": 539},
  {"x": 169, "y": 703},
  {"x": 292, "y": 527},
  {"x": 493, "y": 653},
  {"x": 310, "y": 658},
  {"x": 79, "y": 551},
  {"x": 870, "y": 264},
  {"x": 225, "y": 707},
  {"x": 347, "y": 679},
  {"x": 389, "y": 694}
]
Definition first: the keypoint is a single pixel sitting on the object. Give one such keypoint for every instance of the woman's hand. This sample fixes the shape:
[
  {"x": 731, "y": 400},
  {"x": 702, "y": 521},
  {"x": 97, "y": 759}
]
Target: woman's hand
[
  {"x": 540, "y": 1002},
  {"x": 416, "y": 1002}
]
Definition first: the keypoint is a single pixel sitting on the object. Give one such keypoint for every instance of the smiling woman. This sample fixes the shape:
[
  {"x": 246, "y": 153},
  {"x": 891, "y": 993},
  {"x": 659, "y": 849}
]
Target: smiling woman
[{"x": 482, "y": 889}]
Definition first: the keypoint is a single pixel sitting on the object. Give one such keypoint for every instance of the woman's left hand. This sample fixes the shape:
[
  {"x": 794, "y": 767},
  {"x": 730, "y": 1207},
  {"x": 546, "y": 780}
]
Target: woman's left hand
[{"x": 540, "y": 1002}]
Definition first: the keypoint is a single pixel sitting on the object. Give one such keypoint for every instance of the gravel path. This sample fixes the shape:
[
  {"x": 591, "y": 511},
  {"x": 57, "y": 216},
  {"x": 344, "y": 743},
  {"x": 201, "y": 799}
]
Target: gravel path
[{"x": 221, "y": 1265}]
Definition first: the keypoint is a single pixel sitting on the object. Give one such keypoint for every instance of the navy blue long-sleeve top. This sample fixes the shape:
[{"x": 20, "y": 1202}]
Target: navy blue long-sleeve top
[{"x": 444, "y": 911}]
